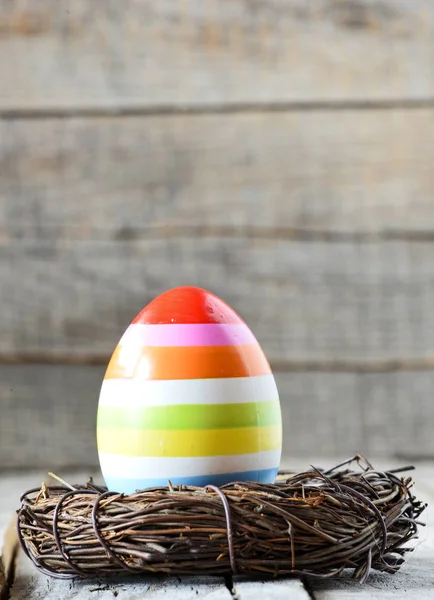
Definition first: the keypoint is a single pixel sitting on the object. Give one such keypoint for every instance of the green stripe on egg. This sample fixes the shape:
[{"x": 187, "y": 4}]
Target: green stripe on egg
[{"x": 191, "y": 416}]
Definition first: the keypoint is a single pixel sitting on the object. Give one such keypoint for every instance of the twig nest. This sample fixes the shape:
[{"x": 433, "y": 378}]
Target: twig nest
[{"x": 314, "y": 523}]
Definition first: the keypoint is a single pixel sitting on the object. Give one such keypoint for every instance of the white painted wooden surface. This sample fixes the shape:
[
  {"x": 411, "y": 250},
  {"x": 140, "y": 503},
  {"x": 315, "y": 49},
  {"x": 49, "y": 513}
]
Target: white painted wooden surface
[
  {"x": 285, "y": 589},
  {"x": 31, "y": 585}
]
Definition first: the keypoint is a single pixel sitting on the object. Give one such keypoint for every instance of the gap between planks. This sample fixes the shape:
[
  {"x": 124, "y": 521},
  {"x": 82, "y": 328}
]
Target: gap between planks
[
  {"x": 32, "y": 585},
  {"x": 210, "y": 109},
  {"x": 76, "y": 233}
]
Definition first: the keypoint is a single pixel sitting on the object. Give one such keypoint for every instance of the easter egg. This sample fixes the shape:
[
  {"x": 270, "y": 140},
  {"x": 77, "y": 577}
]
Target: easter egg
[{"x": 188, "y": 396}]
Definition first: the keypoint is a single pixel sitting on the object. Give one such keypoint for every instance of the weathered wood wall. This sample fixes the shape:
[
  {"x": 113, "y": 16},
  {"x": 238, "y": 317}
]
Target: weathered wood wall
[
  {"x": 64, "y": 54},
  {"x": 278, "y": 153}
]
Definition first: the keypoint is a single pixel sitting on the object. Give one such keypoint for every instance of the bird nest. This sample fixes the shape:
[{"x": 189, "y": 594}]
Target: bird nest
[{"x": 315, "y": 523}]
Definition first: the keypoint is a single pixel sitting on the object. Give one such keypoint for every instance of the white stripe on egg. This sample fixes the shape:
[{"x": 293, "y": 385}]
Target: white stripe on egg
[
  {"x": 127, "y": 393},
  {"x": 135, "y": 467}
]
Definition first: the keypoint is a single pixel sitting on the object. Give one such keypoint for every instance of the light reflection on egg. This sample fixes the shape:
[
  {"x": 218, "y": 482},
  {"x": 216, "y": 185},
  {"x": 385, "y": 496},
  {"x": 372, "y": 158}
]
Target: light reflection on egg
[{"x": 188, "y": 396}]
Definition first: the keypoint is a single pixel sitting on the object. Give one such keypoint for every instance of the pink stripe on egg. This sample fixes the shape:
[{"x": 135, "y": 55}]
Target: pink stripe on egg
[{"x": 201, "y": 334}]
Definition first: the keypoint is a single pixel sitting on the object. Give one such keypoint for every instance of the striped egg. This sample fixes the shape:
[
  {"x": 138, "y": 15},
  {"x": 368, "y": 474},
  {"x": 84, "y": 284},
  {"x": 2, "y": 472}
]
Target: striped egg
[{"x": 188, "y": 396}]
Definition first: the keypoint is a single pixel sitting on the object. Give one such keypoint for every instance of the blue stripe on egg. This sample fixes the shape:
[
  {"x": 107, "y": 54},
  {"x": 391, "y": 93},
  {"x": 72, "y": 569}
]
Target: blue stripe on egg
[{"x": 128, "y": 486}]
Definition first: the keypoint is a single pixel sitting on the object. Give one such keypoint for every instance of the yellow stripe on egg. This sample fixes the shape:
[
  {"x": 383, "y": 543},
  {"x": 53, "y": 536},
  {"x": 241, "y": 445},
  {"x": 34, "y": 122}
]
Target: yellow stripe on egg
[{"x": 189, "y": 442}]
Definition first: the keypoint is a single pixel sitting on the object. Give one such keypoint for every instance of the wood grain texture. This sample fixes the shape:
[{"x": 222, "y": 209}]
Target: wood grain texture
[
  {"x": 270, "y": 211},
  {"x": 189, "y": 52},
  {"x": 412, "y": 581},
  {"x": 282, "y": 589},
  {"x": 29, "y": 584},
  {"x": 307, "y": 175},
  {"x": 305, "y": 302},
  {"x": 49, "y": 412},
  {"x": 48, "y": 416}
]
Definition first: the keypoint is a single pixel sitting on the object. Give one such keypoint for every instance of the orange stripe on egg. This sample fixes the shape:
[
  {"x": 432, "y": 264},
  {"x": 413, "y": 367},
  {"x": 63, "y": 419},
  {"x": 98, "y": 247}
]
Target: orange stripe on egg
[{"x": 187, "y": 362}]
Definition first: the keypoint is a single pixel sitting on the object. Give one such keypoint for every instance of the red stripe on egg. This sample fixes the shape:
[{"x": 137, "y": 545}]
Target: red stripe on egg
[{"x": 187, "y": 305}]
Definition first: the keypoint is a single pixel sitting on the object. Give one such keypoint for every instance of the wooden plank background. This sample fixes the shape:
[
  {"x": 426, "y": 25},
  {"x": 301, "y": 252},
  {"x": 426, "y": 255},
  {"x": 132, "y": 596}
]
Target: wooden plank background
[
  {"x": 277, "y": 153},
  {"x": 139, "y": 53},
  {"x": 46, "y": 407}
]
